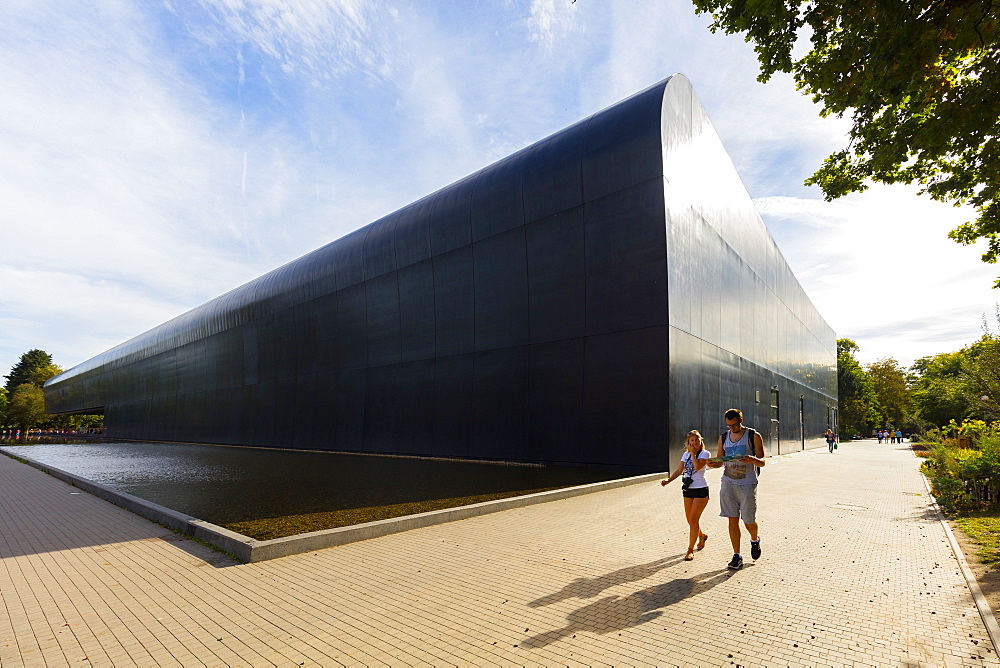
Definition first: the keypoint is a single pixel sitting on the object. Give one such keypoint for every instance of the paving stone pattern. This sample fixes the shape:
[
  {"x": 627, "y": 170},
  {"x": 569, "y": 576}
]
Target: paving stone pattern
[{"x": 856, "y": 570}]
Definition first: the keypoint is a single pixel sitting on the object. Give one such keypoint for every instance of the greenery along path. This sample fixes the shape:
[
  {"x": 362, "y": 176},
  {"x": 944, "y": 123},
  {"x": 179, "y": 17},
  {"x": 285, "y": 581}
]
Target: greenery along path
[
  {"x": 966, "y": 483},
  {"x": 984, "y": 531}
]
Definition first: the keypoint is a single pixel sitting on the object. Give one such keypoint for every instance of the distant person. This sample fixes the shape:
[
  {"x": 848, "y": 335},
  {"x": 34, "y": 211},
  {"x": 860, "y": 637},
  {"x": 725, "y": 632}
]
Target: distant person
[
  {"x": 738, "y": 491},
  {"x": 694, "y": 488},
  {"x": 831, "y": 440},
  {"x": 899, "y": 436},
  {"x": 880, "y": 435}
]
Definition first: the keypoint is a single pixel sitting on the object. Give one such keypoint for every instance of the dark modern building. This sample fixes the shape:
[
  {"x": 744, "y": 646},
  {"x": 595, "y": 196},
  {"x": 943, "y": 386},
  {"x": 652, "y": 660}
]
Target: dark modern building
[{"x": 587, "y": 300}]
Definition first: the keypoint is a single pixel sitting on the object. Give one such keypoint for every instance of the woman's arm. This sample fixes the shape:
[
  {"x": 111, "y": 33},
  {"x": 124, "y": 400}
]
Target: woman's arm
[
  {"x": 702, "y": 460},
  {"x": 676, "y": 473}
]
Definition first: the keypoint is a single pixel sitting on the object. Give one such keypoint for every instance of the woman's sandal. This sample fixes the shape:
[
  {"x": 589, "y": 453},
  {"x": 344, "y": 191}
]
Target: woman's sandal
[
  {"x": 701, "y": 541},
  {"x": 689, "y": 556}
]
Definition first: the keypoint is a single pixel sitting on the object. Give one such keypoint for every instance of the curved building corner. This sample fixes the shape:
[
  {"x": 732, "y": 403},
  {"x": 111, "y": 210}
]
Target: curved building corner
[{"x": 586, "y": 301}]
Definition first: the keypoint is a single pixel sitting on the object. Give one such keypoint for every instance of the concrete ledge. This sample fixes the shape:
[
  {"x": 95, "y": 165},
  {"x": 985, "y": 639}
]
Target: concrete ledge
[
  {"x": 316, "y": 540},
  {"x": 248, "y": 549}
]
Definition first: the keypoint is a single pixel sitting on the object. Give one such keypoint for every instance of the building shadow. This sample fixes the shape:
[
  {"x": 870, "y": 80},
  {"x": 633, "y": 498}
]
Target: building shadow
[
  {"x": 41, "y": 516},
  {"x": 591, "y": 587},
  {"x": 615, "y": 613}
]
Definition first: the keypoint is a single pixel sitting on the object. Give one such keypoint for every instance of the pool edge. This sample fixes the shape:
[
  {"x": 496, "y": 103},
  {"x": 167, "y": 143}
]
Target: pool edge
[{"x": 250, "y": 550}]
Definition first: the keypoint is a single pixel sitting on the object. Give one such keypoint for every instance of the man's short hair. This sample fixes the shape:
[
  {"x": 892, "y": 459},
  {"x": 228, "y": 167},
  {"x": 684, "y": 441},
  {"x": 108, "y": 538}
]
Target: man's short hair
[{"x": 734, "y": 414}]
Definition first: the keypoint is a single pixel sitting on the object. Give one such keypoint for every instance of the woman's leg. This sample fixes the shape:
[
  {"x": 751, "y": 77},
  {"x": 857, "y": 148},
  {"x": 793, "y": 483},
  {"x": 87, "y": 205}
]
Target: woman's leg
[
  {"x": 688, "y": 504},
  {"x": 694, "y": 509}
]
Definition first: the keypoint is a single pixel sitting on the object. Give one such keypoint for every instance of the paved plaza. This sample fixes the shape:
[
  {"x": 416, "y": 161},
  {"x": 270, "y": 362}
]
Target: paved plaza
[{"x": 857, "y": 569}]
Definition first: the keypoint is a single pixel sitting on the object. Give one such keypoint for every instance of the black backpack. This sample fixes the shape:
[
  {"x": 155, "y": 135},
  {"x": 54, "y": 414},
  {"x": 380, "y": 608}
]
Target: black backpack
[{"x": 751, "y": 439}]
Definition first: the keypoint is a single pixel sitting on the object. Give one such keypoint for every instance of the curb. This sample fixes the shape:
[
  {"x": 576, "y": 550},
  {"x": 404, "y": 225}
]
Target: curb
[
  {"x": 989, "y": 620},
  {"x": 248, "y": 549}
]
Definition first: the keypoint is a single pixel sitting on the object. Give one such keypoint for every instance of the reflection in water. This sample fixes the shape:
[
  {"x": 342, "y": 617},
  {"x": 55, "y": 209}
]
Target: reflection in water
[{"x": 225, "y": 485}]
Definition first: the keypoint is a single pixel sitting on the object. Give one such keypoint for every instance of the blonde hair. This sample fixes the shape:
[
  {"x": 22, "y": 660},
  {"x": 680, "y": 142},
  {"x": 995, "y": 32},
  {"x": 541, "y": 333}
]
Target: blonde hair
[{"x": 695, "y": 432}]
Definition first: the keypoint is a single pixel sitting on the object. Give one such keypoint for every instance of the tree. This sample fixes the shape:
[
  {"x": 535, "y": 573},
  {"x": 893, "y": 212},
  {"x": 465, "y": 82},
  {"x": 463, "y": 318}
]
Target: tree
[
  {"x": 939, "y": 389},
  {"x": 27, "y": 406},
  {"x": 920, "y": 80},
  {"x": 41, "y": 374},
  {"x": 893, "y": 396},
  {"x": 3, "y": 406},
  {"x": 981, "y": 371},
  {"x": 34, "y": 368},
  {"x": 31, "y": 368},
  {"x": 857, "y": 401},
  {"x": 75, "y": 422}
]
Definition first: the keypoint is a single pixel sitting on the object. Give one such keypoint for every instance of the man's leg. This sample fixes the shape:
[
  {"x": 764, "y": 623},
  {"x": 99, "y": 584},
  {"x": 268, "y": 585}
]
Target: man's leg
[
  {"x": 734, "y": 533},
  {"x": 750, "y": 505}
]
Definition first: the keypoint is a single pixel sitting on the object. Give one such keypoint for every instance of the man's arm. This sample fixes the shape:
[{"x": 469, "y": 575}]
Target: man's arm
[
  {"x": 721, "y": 451},
  {"x": 758, "y": 449}
]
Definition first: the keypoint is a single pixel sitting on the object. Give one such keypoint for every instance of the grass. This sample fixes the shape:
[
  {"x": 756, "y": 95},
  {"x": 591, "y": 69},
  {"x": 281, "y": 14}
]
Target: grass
[
  {"x": 291, "y": 525},
  {"x": 984, "y": 531}
]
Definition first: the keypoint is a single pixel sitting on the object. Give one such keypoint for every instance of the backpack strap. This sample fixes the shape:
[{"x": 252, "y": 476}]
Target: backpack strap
[{"x": 752, "y": 442}]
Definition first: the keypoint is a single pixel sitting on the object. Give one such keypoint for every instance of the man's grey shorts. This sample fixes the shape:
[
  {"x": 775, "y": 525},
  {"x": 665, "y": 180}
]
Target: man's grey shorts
[{"x": 738, "y": 501}]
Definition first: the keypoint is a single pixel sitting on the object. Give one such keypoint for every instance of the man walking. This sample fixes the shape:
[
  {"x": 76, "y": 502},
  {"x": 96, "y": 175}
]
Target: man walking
[{"x": 738, "y": 492}]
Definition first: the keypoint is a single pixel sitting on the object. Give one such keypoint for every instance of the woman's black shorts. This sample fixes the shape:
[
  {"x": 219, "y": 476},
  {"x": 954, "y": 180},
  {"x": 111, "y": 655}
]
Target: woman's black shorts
[{"x": 696, "y": 493}]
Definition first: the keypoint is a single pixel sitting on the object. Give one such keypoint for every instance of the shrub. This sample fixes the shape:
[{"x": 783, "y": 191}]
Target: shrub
[
  {"x": 949, "y": 492},
  {"x": 965, "y": 479},
  {"x": 930, "y": 436}
]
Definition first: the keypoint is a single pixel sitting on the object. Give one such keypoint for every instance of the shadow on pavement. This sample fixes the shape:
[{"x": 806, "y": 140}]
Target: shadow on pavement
[
  {"x": 54, "y": 522},
  {"x": 591, "y": 587},
  {"x": 615, "y": 613}
]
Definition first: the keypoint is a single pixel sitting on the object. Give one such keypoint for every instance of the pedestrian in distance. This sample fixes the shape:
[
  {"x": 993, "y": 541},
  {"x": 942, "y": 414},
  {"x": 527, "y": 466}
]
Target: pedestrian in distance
[
  {"x": 831, "y": 439},
  {"x": 694, "y": 488},
  {"x": 899, "y": 436},
  {"x": 741, "y": 451}
]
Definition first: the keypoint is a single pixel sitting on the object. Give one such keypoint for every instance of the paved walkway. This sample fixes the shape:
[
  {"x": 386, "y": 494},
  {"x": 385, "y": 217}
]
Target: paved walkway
[{"x": 857, "y": 570}]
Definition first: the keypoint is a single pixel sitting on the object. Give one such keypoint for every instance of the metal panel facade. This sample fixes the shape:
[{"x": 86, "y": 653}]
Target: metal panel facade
[{"x": 586, "y": 300}]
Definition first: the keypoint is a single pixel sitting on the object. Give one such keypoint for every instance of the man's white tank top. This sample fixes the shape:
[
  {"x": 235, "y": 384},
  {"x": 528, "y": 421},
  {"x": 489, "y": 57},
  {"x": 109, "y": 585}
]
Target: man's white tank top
[{"x": 735, "y": 472}]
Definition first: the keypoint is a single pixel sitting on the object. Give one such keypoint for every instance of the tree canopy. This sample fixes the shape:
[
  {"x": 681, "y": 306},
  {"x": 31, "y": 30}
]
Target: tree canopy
[
  {"x": 891, "y": 391},
  {"x": 22, "y": 402},
  {"x": 35, "y": 367},
  {"x": 27, "y": 406},
  {"x": 856, "y": 393},
  {"x": 981, "y": 369},
  {"x": 940, "y": 391},
  {"x": 920, "y": 80}
]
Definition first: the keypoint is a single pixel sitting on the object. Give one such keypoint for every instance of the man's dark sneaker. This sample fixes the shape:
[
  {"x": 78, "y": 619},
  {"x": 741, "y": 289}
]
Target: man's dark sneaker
[
  {"x": 755, "y": 549},
  {"x": 736, "y": 564}
]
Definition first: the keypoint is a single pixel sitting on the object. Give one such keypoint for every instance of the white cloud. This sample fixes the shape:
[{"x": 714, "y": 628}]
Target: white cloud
[
  {"x": 881, "y": 270},
  {"x": 318, "y": 40},
  {"x": 71, "y": 316},
  {"x": 552, "y": 20}
]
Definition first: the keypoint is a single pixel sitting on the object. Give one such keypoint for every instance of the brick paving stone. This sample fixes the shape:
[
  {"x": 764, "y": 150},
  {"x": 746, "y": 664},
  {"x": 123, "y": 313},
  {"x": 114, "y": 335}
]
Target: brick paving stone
[{"x": 857, "y": 570}]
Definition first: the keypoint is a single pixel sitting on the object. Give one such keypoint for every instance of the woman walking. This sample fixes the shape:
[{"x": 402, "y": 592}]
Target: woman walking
[
  {"x": 831, "y": 439},
  {"x": 694, "y": 488}
]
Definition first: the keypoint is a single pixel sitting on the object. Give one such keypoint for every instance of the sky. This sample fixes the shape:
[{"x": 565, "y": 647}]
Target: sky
[{"x": 155, "y": 154}]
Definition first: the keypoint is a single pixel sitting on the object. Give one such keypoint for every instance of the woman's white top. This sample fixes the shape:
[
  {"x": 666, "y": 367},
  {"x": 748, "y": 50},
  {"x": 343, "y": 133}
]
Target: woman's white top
[{"x": 698, "y": 476}]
